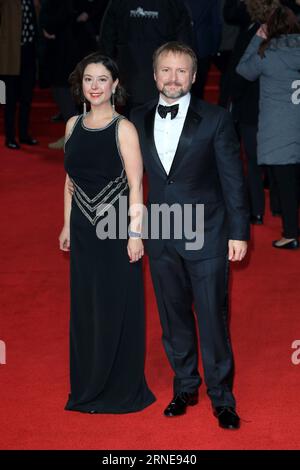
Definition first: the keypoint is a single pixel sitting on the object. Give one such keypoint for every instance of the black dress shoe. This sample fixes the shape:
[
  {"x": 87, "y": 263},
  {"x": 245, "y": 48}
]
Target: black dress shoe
[
  {"x": 180, "y": 402},
  {"x": 292, "y": 245},
  {"x": 12, "y": 144},
  {"x": 28, "y": 141},
  {"x": 256, "y": 219},
  {"x": 227, "y": 416}
]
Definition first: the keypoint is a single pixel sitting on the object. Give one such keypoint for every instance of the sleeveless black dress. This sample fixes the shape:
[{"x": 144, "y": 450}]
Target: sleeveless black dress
[{"x": 107, "y": 304}]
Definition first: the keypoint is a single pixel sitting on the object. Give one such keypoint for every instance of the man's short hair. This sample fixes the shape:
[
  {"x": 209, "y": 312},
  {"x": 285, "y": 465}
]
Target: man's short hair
[{"x": 176, "y": 48}]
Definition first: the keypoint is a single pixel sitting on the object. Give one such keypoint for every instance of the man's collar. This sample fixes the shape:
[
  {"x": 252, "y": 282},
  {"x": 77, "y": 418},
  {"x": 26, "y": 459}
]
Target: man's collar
[{"x": 183, "y": 102}]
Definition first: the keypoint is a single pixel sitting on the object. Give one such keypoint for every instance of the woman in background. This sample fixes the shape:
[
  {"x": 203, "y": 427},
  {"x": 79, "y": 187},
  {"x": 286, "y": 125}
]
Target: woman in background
[
  {"x": 18, "y": 52},
  {"x": 273, "y": 56}
]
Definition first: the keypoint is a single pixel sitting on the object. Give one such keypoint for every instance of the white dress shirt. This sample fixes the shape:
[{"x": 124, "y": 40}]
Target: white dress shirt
[{"x": 167, "y": 132}]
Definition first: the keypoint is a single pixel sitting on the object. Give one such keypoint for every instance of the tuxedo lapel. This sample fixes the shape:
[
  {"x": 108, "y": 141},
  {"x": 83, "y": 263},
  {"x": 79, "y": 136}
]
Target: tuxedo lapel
[
  {"x": 191, "y": 124},
  {"x": 149, "y": 129}
]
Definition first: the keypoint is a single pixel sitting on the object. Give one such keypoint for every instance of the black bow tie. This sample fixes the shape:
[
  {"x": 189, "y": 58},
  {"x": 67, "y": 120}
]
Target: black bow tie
[{"x": 164, "y": 110}]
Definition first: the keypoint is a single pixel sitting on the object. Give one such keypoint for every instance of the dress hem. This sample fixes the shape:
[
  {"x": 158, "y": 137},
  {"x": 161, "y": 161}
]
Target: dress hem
[{"x": 96, "y": 411}]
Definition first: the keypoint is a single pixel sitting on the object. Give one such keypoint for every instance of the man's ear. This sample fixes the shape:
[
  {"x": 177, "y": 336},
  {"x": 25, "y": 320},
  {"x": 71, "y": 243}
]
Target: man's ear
[{"x": 194, "y": 77}]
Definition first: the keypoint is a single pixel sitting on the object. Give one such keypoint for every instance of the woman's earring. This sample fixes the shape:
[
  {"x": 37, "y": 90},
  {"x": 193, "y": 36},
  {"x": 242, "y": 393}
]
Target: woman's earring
[
  {"x": 113, "y": 100},
  {"x": 84, "y": 108}
]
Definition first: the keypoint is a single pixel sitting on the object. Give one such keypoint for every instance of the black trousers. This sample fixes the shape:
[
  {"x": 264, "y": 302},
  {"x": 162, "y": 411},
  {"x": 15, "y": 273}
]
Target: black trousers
[
  {"x": 19, "y": 88},
  {"x": 275, "y": 206},
  {"x": 177, "y": 283},
  {"x": 221, "y": 61},
  {"x": 288, "y": 180},
  {"x": 64, "y": 100},
  {"x": 255, "y": 172}
]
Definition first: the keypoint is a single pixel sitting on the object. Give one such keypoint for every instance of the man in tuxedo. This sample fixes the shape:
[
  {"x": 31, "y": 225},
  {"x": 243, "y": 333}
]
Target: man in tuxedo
[{"x": 191, "y": 156}]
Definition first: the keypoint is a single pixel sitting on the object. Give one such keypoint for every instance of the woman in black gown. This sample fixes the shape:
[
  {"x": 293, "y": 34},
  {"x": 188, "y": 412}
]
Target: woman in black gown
[{"x": 103, "y": 161}]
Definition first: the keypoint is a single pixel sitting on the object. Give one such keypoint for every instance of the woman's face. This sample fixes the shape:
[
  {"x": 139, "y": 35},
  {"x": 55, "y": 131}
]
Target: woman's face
[{"x": 97, "y": 84}]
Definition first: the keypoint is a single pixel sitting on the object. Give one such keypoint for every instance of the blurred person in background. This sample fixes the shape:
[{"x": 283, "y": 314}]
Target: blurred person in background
[
  {"x": 216, "y": 25},
  {"x": 132, "y": 30},
  {"x": 244, "y": 95},
  {"x": 60, "y": 54},
  {"x": 273, "y": 56},
  {"x": 207, "y": 35},
  {"x": 88, "y": 15},
  {"x": 69, "y": 30},
  {"x": 235, "y": 19},
  {"x": 18, "y": 46}
]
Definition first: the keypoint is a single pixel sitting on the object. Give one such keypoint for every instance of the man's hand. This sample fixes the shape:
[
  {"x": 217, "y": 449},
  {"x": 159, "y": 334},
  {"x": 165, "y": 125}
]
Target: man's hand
[
  {"x": 47, "y": 35},
  {"x": 82, "y": 18},
  {"x": 237, "y": 250},
  {"x": 70, "y": 187}
]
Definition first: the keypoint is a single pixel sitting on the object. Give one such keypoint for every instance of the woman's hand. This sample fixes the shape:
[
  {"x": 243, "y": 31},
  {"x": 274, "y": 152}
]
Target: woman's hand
[
  {"x": 64, "y": 239},
  {"x": 70, "y": 187},
  {"x": 135, "y": 249},
  {"x": 262, "y": 31}
]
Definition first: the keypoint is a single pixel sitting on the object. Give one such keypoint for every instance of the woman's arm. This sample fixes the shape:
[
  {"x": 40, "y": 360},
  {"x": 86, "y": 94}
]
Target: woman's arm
[
  {"x": 250, "y": 65},
  {"x": 131, "y": 154},
  {"x": 64, "y": 237},
  {"x": 67, "y": 203}
]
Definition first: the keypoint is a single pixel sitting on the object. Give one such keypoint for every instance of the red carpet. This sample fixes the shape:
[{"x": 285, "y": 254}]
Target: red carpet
[{"x": 34, "y": 325}]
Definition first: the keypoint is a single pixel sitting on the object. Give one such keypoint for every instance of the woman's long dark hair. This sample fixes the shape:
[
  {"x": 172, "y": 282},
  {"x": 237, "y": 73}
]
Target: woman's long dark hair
[
  {"x": 281, "y": 22},
  {"x": 75, "y": 79}
]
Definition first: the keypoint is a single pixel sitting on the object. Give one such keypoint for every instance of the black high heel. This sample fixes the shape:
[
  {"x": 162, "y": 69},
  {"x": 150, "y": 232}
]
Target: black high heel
[{"x": 292, "y": 245}]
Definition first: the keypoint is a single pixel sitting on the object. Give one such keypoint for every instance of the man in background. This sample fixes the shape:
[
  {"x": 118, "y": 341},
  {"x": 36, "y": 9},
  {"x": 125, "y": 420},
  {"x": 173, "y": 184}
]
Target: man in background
[{"x": 132, "y": 30}]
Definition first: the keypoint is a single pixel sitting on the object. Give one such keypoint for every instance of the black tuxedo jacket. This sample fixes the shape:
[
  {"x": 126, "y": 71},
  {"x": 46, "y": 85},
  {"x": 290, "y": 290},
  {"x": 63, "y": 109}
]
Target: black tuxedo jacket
[{"x": 206, "y": 169}]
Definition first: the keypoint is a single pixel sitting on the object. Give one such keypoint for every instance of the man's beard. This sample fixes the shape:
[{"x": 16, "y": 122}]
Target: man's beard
[{"x": 176, "y": 94}]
